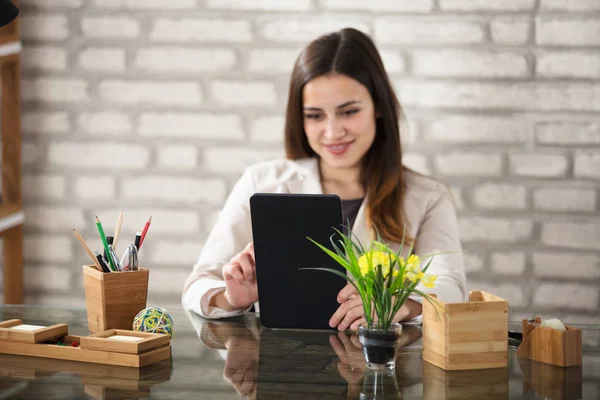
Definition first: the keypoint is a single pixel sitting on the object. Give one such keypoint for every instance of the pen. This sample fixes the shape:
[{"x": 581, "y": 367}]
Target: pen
[
  {"x": 101, "y": 261},
  {"x": 138, "y": 238},
  {"x": 133, "y": 257},
  {"x": 114, "y": 258},
  {"x": 109, "y": 240},
  {"x": 105, "y": 243}
]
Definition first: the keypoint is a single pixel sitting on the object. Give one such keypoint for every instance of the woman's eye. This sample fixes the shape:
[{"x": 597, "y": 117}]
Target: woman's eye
[
  {"x": 312, "y": 116},
  {"x": 351, "y": 112}
]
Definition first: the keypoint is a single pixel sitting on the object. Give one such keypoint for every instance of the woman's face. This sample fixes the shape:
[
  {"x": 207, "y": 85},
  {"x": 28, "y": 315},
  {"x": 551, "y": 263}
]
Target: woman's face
[{"x": 339, "y": 119}]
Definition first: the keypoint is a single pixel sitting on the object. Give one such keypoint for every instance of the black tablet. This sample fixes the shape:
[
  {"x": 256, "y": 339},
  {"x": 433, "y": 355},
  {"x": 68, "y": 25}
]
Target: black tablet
[{"x": 290, "y": 297}]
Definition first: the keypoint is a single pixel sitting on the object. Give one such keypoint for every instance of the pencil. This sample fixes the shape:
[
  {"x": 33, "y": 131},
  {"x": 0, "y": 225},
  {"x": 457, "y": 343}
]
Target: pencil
[
  {"x": 87, "y": 250},
  {"x": 145, "y": 231},
  {"x": 118, "y": 230},
  {"x": 105, "y": 243}
]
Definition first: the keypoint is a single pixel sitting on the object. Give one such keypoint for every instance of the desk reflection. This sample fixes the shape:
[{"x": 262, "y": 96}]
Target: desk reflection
[
  {"x": 265, "y": 363},
  {"x": 19, "y": 375}
]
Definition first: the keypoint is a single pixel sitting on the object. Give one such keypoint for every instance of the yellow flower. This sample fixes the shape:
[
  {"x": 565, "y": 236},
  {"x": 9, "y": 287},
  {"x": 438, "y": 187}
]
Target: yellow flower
[
  {"x": 428, "y": 280},
  {"x": 413, "y": 263},
  {"x": 377, "y": 258},
  {"x": 413, "y": 275}
]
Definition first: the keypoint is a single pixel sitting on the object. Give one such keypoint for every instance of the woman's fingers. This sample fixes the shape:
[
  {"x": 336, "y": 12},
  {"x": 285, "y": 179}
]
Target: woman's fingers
[
  {"x": 342, "y": 310},
  {"x": 353, "y": 315},
  {"x": 354, "y": 326},
  {"x": 250, "y": 249},
  {"x": 247, "y": 266},
  {"x": 233, "y": 270},
  {"x": 346, "y": 292}
]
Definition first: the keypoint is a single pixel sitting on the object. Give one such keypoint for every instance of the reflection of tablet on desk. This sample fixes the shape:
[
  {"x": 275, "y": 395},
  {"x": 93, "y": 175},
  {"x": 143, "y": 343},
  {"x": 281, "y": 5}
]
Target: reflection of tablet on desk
[{"x": 281, "y": 223}]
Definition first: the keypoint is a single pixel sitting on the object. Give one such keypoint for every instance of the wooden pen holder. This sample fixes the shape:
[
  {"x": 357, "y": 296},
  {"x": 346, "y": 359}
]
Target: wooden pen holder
[
  {"x": 551, "y": 346},
  {"x": 113, "y": 299},
  {"x": 471, "y": 335}
]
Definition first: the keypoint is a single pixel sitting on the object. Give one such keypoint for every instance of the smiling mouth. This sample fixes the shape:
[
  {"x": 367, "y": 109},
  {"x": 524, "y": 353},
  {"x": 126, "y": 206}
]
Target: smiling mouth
[{"x": 338, "y": 149}]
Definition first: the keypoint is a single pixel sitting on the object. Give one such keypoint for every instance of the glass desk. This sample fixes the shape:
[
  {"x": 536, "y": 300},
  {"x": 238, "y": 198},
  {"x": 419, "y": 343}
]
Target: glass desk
[{"x": 235, "y": 358}]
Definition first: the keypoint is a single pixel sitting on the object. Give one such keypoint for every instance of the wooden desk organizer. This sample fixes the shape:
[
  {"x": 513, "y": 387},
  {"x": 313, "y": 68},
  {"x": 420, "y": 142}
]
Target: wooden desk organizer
[
  {"x": 9, "y": 330},
  {"x": 113, "y": 299},
  {"x": 100, "y": 349},
  {"x": 472, "y": 335},
  {"x": 551, "y": 346}
]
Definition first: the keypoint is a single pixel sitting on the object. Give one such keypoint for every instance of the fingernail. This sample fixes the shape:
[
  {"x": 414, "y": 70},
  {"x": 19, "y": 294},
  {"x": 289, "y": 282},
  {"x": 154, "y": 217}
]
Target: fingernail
[{"x": 331, "y": 323}]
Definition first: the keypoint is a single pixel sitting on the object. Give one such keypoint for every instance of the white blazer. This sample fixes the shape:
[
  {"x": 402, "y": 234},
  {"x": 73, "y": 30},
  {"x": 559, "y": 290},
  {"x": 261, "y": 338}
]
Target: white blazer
[{"x": 428, "y": 209}]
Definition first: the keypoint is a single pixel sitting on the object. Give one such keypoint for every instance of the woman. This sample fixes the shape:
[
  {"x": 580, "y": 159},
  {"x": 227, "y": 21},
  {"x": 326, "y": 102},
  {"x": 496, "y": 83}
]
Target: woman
[{"x": 342, "y": 137}]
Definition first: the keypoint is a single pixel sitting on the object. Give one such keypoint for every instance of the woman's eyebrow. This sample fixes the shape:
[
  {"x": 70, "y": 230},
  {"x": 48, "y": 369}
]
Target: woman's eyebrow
[{"x": 346, "y": 104}]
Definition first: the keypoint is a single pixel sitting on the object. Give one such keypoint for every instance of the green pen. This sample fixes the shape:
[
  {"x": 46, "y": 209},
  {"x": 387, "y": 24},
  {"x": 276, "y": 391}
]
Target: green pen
[{"x": 105, "y": 244}]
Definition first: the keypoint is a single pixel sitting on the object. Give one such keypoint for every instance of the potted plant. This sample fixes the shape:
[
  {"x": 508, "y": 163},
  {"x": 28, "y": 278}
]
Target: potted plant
[{"x": 383, "y": 279}]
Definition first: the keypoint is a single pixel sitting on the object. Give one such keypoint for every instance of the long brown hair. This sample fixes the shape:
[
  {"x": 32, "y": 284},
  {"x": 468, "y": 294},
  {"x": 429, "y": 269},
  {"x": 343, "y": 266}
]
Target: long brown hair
[{"x": 352, "y": 53}]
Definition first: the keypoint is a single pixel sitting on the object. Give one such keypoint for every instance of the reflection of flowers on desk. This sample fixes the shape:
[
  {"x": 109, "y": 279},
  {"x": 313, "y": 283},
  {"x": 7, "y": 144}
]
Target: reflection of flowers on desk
[{"x": 351, "y": 366}]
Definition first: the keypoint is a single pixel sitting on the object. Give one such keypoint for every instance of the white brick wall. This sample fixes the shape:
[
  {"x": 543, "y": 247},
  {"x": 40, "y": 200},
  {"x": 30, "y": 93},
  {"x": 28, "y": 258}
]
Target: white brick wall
[
  {"x": 110, "y": 27},
  {"x": 155, "y": 108},
  {"x": 150, "y": 93},
  {"x": 446, "y": 63},
  {"x": 509, "y": 31},
  {"x": 104, "y": 123}
]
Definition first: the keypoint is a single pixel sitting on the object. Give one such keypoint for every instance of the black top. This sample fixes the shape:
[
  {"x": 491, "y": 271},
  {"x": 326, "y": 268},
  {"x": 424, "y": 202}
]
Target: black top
[
  {"x": 8, "y": 12},
  {"x": 349, "y": 211}
]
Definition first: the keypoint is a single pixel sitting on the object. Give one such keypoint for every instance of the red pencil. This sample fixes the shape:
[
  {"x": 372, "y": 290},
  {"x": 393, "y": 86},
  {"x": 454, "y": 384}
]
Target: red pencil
[{"x": 145, "y": 231}]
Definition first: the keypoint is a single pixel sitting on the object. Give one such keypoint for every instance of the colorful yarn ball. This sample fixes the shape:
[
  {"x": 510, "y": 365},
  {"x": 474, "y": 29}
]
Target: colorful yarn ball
[{"x": 153, "y": 320}]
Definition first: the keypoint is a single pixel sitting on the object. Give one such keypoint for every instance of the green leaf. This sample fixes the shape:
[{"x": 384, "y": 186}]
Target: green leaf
[{"x": 333, "y": 255}]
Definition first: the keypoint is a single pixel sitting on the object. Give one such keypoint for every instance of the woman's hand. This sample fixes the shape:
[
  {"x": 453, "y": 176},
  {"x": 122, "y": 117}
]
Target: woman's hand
[
  {"x": 351, "y": 314},
  {"x": 240, "y": 279}
]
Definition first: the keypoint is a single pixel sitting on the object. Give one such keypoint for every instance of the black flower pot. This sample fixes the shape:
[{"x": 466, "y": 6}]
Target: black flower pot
[{"x": 379, "y": 346}]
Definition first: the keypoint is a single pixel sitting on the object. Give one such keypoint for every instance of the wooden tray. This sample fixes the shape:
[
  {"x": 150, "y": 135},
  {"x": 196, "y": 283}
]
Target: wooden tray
[
  {"x": 122, "y": 341},
  {"x": 14, "y": 330},
  {"x": 99, "y": 348}
]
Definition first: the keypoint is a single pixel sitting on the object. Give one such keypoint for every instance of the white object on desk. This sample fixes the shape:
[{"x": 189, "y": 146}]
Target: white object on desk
[
  {"x": 125, "y": 338},
  {"x": 25, "y": 327},
  {"x": 554, "y": 324}
]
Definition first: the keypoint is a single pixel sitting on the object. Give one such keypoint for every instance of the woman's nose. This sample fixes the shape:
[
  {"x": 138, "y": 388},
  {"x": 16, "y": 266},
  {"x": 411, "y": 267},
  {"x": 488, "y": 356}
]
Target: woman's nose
[{"x": 334, "y": 129}]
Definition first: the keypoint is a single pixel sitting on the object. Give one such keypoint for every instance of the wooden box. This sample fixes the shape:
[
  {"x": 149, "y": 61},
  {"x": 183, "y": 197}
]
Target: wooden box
[
  {"x": 113, "y": 299},
  {"x": 471, "y": 335},
  {"x": 15, "y": 330},
  {"x": 551, "y": 346},
  {"x": 121, "y": 341}
]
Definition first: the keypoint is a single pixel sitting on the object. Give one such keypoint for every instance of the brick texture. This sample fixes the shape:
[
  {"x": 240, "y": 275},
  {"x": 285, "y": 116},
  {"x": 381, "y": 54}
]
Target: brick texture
[{"x": 155, "y": 108}]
